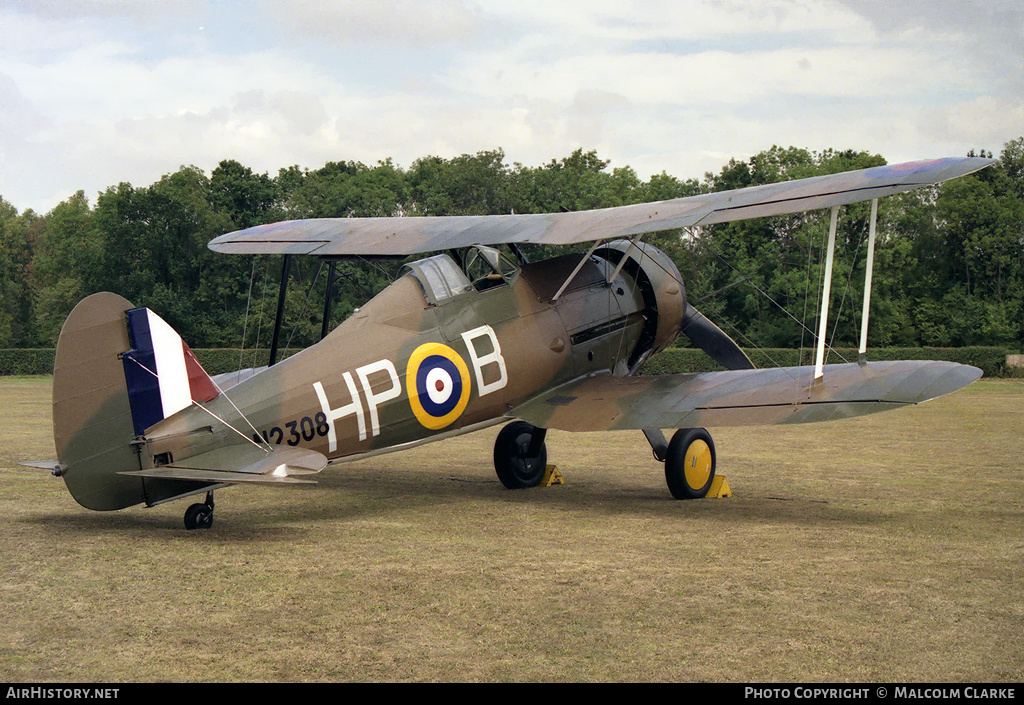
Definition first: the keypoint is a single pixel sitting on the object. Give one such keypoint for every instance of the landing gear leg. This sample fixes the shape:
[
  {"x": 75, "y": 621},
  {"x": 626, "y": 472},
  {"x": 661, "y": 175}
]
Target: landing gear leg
[
  {"x": 690, "y": 463},
  {"x": 520, "y": 455},
  {"x": 659, "y": 445},
  {"x": 200, "y": 516}
]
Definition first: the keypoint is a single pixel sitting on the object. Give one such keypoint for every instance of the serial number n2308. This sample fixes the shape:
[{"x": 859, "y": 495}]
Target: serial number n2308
[{"x": 305, "y": 429}]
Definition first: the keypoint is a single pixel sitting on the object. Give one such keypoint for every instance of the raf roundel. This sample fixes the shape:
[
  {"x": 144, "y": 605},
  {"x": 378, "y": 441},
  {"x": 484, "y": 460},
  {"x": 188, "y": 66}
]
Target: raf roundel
[{"x": 438, "y": 382}]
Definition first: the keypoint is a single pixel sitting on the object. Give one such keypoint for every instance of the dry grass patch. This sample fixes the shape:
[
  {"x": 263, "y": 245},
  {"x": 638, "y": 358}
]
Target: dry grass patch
[{"x": 883, "y": 548}]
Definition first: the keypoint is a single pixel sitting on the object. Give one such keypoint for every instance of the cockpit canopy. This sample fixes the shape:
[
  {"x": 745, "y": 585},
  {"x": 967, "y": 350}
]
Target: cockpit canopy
[
  {"x": 440, "y": 278},
  {"x": 443, "y": 279},
  {"x": 487, "y": 267}
]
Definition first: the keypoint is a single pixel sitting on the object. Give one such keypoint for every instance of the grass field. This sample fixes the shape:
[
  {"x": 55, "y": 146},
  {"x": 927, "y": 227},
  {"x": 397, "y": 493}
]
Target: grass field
[{"x": 887, "y": 548}]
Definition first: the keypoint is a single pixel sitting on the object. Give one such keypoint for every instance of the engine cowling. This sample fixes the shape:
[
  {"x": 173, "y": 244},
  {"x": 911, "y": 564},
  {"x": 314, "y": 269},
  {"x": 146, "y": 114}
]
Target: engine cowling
[{"x": 661, "y": 287}]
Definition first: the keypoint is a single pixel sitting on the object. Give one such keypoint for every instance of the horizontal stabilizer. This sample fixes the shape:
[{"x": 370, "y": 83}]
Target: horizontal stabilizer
[
  {"x": 166, "y": 472},
  {"x": 53, "y": 466},
  {"x": 742, "y": 397},
  {"x": 243, "y": 463}
]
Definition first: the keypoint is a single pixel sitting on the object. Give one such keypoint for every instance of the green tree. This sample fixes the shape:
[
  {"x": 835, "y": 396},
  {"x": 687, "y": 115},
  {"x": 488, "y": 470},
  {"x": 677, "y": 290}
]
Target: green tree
[
  {"x": 347, "y": 189},
  {"x": 577, "y": 182},
  {"x": 780, "y": 260},
  {"x": 15, "y": 271},
  {"x": 66, "y": 264},
  {"x": 248, "y": 198},
  {"x": 155, "y": 254},
  {"x": 949, "y": 259},
  {"x": 471, "y": 184}
]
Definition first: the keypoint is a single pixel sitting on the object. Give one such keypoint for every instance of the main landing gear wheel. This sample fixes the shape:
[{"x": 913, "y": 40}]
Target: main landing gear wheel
[
  {"x": 690, "y": 463},
  {"x": 520, "y": 455},
  {"x": 200, "y": 516}
]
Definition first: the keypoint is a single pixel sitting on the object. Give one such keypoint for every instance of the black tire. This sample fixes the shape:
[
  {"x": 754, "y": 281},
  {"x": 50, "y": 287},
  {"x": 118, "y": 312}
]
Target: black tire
[
  {"x": 199, "y": 516},
  {"x": 515, "y": 468},
  {"x": 698, "y": 444}
]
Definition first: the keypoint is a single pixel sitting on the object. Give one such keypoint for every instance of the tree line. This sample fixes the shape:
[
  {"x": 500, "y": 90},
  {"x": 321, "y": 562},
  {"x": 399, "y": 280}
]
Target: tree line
[{"x": 949, "y": 260}]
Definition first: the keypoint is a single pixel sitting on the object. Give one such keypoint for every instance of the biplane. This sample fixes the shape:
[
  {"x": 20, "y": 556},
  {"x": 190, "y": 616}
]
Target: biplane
[{"x": 468, "y": 336}]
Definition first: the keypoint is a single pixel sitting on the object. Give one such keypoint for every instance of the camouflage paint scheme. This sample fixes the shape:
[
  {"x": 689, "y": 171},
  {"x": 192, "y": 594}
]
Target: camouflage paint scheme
[
  {"x": 452, "y": 347},
  {"x": 506, "y": 337},
  {"x": 512, "y": 340}
]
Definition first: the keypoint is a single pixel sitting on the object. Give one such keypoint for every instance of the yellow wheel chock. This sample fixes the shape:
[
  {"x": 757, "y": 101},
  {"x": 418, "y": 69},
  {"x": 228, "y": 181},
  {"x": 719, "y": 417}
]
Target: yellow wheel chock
[
  {"x": 719, "y": 488},
  {"x": 719, "y": 485},
  {"x": 551, "y": 476}
]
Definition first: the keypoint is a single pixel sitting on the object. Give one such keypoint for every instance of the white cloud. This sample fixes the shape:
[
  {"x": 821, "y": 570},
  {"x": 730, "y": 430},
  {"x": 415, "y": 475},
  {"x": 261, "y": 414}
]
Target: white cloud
[
  {"x": 581, "y": 21},
  {"x": 135, "y": 9},
  {"x": 404, "y": 22},
  {"x": 984, "y": 121},
  {"x": 713, "y": 77},
  {"x": 91, "y": 95}
]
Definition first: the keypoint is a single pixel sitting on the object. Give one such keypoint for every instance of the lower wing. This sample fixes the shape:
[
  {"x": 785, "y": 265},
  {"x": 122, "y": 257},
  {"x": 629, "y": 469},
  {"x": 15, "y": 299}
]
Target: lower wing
[{"x": 742, "y": 397}]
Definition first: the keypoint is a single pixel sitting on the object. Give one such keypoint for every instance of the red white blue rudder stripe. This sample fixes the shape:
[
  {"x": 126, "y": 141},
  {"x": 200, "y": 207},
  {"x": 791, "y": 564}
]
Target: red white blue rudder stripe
[{"x": 162, "y": 373}]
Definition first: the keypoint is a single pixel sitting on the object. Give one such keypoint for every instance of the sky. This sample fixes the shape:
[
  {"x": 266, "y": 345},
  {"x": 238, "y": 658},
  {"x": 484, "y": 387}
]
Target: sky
[{"x": 98, "y": 92}]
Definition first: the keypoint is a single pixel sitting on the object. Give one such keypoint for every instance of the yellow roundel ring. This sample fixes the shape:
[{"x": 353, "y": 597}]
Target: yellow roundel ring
[
  {"x": 439, "y": 385},
  {"x": 697, "y": 465}
]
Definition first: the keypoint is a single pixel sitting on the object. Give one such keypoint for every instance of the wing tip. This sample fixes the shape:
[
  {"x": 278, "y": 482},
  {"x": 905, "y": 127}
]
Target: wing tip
[{"x": 931, "y": 170}]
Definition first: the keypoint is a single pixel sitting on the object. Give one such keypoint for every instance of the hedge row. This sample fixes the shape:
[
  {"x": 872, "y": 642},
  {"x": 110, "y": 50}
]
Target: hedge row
[
  {"x": 26, "y": 361},
  {"x": 39, "y": 361},
  {"x": 991, "y": 360}
]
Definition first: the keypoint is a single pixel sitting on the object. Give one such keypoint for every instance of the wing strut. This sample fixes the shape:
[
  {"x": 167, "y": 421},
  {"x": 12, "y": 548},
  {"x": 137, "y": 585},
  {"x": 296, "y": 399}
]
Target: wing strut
[
  {"x": 332, "y": 276},
  {"x": 576, "y": 271},
  {"x": 826, "y": 293},
  {"x": 285, "y": 266},
  {"x": 868, "y": 268},
  {"x": 625, "y": 256}
]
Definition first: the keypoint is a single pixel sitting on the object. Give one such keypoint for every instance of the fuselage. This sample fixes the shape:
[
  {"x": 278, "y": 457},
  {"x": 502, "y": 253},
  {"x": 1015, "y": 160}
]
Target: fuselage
[{"x": 436, "y": 354}]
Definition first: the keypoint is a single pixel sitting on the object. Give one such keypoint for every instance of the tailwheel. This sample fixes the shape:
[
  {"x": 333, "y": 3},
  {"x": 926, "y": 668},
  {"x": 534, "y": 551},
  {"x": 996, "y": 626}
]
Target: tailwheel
[
  {"x": 690, "y": 463},
  {"x": 520, "y": 455},
  {"x": 200, "y": 516}
]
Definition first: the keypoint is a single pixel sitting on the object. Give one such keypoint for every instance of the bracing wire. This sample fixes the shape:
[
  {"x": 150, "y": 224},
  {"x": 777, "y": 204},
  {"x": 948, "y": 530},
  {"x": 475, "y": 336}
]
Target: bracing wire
[
  {"x": 842, "y": 301},
  {"x": 804, "y": 329},
  {"x": 762, "y": 292},
  {"x": 305, "y": 303},
  {"x": 256, "y": 434},
  {"x": 263, "y": 298},
  {"x": 807, "y": 286},
  {"x": 266, "y": 448},
  {"x": 245, "y": 323}
]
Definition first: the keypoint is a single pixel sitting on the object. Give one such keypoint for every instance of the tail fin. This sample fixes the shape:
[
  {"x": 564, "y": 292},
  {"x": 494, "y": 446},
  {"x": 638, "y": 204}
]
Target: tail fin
[{"x": 112, "y": 379}]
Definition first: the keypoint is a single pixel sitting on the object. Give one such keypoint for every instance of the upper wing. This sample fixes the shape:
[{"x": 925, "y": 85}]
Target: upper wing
[
  {"x": 742, "y": 397},
  {"x": 407, "y": 236}
]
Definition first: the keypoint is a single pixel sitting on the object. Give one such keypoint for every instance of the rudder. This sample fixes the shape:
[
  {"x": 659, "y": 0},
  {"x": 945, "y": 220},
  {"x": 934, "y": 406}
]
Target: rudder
[
  {"x": 162, "y": 373},
  {"x": 96, "y": 416}
]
